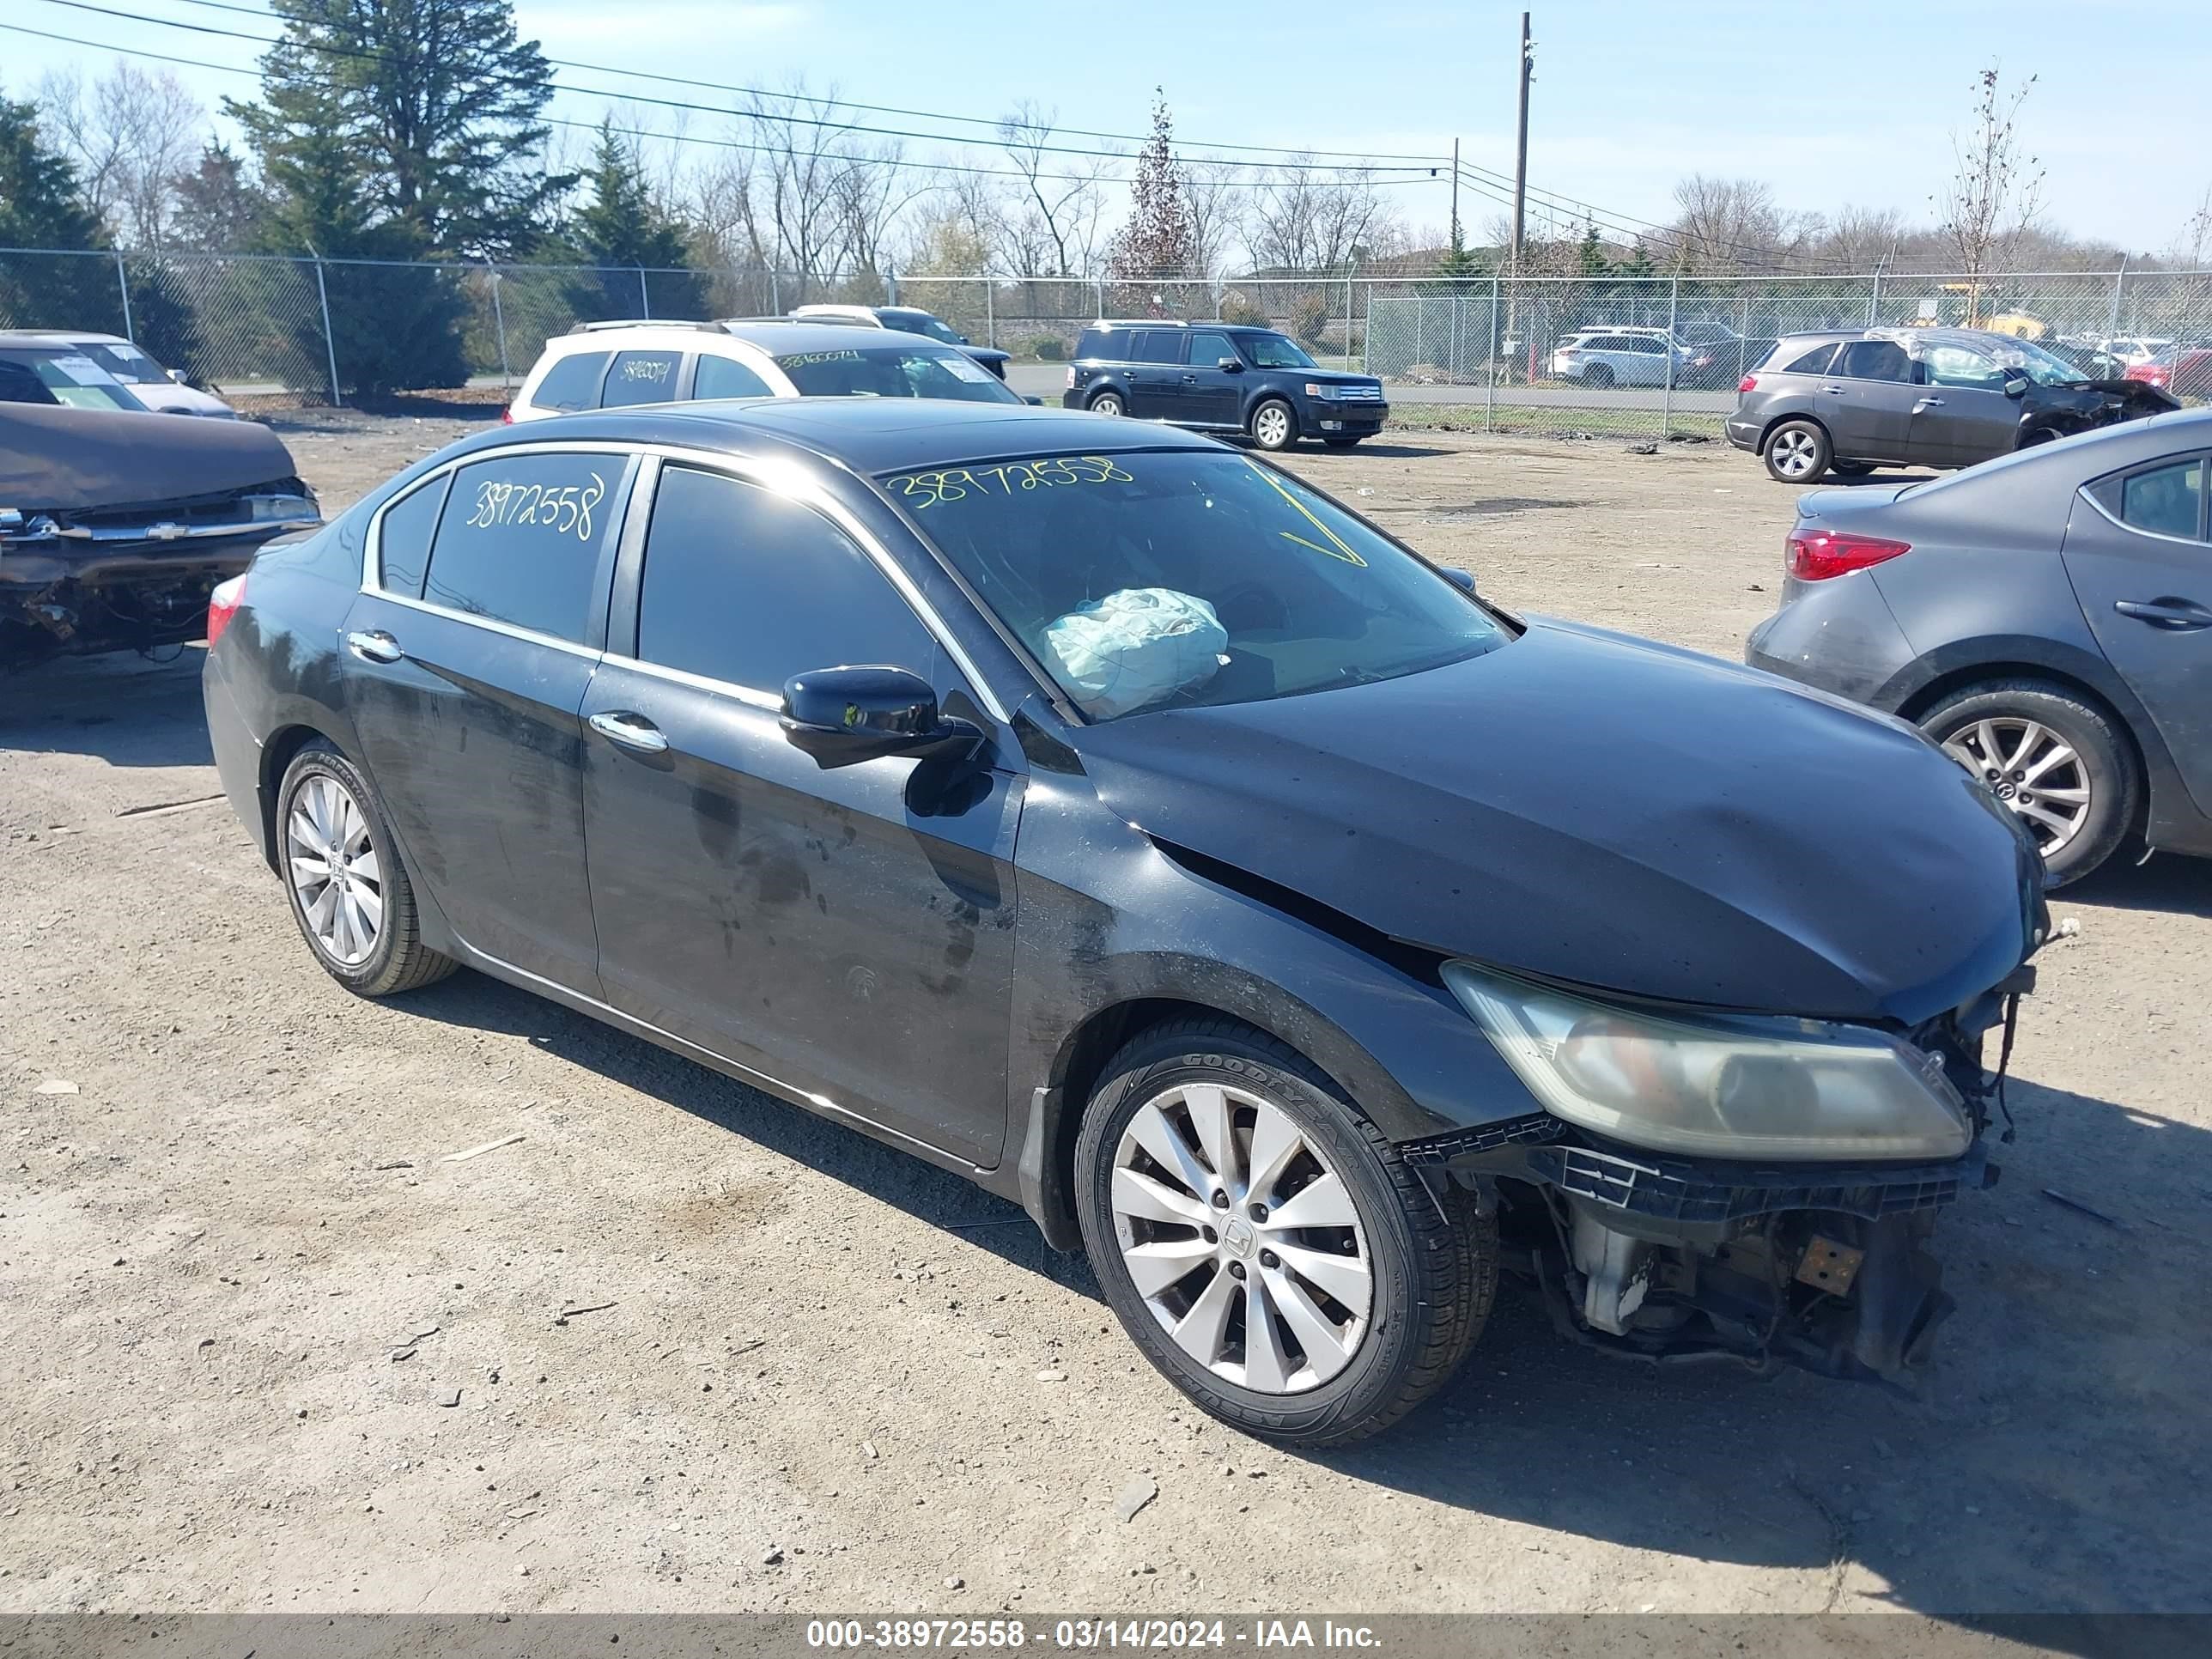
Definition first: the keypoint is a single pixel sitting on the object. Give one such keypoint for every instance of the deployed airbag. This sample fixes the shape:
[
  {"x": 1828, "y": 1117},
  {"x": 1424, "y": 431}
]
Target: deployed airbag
[
  {"x": 63, "y": 461},
  {"x": 1135, "y": 647}
]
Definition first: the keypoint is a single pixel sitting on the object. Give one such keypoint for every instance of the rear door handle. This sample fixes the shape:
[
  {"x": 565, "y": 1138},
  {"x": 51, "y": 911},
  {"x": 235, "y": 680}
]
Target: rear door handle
[
  {"x": 2175, "y": 615},
  {"x": 1834, "y": 390},
  {"x": 630, "y": 730},
  {"x": 374, "y": 646}
]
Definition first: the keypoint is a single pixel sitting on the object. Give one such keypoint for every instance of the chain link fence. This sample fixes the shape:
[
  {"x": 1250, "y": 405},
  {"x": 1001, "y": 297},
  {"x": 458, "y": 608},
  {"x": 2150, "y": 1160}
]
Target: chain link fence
[{"x": 1484, "y": 352}]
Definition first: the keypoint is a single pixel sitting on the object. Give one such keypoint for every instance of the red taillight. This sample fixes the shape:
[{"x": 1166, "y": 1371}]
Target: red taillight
[
  {"x": 223, "y": 605},
  {"x": 506, "y": 415},
  {"x": 1749, "y": 383},
  {"x": 1817, "y": 555}
]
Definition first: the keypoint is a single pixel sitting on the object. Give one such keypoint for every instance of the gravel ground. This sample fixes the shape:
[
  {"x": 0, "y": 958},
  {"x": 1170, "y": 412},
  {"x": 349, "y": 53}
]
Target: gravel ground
[{"x": 271, "y": 1347}]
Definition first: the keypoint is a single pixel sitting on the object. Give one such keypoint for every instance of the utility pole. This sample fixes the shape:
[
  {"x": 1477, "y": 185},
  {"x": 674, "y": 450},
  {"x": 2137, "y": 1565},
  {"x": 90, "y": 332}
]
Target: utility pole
[
  {"x": 1455, "y": 218},
  {"x": 1521, "y": 148}
]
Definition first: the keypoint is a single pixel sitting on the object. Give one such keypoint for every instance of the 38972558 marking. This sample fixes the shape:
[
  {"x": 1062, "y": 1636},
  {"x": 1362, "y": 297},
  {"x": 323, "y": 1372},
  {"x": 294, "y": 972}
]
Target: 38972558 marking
[
  {"x": 1057, "y": 1634},
  {"x": 559, "y": 509},
  {"x": 957, "y": 483}
]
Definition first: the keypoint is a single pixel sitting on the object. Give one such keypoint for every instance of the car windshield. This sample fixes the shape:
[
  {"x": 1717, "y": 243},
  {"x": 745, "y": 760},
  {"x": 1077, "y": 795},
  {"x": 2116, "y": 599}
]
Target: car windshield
[
  {"x": 1146, "y": 580},
  {"x": 74, "y": 379},
  {"x": 893, "y": 371},
  {"x": 1276, "y": 351},
  {"x": 126, "y": 362},
  {"x": 2044, "y": 369},
  {"x": 919, "y": 322}
]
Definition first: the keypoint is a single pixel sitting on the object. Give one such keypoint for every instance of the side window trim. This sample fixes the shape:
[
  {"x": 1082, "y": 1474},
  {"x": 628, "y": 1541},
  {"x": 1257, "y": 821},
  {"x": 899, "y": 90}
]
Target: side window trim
[
  {"x": 2095, "y": 491},
  {"x": 630, "y": 564},
  {"x": 372, "y": 551}
]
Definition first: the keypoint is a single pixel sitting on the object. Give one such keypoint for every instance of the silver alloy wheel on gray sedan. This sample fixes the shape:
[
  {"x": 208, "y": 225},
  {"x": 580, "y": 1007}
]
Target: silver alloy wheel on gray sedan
[
  {"x": 1795, "y": 452},
  {"x": 1271, "y": 426},
  {"x": 333, "y": 869},
  {"x": 2031, "y": 770},
  {"x": 1243, "y": 1242}
]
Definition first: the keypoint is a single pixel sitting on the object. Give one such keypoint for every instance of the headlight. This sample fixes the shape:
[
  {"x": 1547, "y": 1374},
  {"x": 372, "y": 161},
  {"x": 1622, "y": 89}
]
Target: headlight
[
  {"x": 1316, "y": 389},
  {"x": 1721, "y": 1085},
  {"x": 278, "y": 509}
]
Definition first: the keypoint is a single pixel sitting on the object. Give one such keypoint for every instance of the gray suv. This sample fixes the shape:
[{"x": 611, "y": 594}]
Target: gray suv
[{"x": 1849, "y": 401}]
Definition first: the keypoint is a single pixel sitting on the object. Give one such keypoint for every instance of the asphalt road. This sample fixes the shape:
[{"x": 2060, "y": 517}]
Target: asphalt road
[{"x": 1048, "y": 380}]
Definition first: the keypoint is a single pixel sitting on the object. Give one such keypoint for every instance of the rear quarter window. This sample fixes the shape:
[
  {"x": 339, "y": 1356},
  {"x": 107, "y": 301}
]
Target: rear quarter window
[
  {"x": 1106, "y": 344},
  {"x": 1793, "y": 361},
  {"x": 572, "y": 382}
]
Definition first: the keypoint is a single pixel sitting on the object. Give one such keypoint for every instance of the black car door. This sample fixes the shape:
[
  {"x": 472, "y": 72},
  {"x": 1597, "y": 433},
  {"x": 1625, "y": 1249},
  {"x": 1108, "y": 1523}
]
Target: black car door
[
  {"x": 465, "y": 659},
  {"x": 1156, "y": 374},
  {"x": 2137, "y": 552},
  {"x": 847, "y": 933},
  {"x": 1209, "y": 392}
]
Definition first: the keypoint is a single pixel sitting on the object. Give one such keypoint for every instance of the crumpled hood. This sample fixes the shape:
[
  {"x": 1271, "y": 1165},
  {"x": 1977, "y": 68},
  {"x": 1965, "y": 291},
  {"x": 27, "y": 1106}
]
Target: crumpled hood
[
  {"x": 1599, "y": 809},
  {"x": 63, "y": 461}
]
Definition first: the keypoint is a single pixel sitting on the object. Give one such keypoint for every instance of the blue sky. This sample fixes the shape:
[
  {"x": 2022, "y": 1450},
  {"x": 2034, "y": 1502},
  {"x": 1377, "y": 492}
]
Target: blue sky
[{"x": 1829, "y": 105}]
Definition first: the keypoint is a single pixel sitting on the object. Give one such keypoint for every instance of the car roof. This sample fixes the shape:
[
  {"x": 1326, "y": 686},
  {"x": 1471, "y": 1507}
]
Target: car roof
[
  {"x": 771, "y": 337},
  {"x": 54, "y": 336},
  {"x": 861, "y": 434}
]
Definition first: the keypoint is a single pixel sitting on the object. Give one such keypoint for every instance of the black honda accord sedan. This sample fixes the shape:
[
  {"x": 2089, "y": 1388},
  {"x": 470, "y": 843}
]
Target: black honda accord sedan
[{"x": 1112, "y": 817}]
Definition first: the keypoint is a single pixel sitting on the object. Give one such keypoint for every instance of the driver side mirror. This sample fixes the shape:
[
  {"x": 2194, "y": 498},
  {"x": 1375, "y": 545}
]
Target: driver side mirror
[
  {"x": 178, "y": 375},
  {"x": 1230, "y": 365},
  {"x": 1463, "y": 579},
  {"x": 842, "y": 716},
  {"x": 2015, "y": 384}
]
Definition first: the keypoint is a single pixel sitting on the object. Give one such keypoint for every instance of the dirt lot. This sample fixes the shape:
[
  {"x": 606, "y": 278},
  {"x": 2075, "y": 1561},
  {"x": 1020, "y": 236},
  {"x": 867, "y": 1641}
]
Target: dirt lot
[{"x": 241, "y": 1278}]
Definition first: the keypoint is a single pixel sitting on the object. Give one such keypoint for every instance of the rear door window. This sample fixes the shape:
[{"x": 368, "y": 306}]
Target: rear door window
[
  {"x": 1108, "y": 345},
  {"x": 572, "y": 383},
  {"x": 642, "y": 377},
  {"x": 521, "y": 538},
  {"x": 726, "y": 377},
  {"x": 1874, "y": 359},
  {"x": 1156, "y": 345},
  {"x": 750, "y": 587}
]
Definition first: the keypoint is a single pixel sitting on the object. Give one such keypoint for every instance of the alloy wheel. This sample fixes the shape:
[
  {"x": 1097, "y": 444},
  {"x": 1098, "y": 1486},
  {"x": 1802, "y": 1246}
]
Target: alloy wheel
[
  {"x": 1242, "y": 1241},
  {"x": 333, "y": 869},
  {"x": 1793, "y": 454},
  {"x": 1108, "y": 404},
  {"x": 2031, "y": 770},
  {"x": 1272, "y": 427}
]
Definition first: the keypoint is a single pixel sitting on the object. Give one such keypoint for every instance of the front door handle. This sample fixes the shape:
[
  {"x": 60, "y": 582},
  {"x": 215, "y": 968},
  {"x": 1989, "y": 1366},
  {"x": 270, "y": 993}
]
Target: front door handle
[
  {"x": 1927, "y": 403},
  {"x": 1834, "y": 390},
  {"x": 373, "y": 645},
  {"x": 630, "y": 731},
  {"x": 2174, "y": 616}
]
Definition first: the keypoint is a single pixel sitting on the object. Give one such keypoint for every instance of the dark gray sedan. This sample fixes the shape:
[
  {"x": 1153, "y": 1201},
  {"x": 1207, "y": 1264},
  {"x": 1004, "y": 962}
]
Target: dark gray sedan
[
  {"x": 1849, "y": 401},
  {"x": 2046, "y": 618}
]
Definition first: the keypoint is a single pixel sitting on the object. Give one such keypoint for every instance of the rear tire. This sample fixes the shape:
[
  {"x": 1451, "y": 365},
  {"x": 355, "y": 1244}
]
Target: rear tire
[
  {"x": 1273, "y": 425},
  {"x": 350, "y": 892},
  {"x": 1598, "y": 376},
  {"x": 1798, "y": 452},
  {"x": 1850, "y": 469},
  {"x": 1106, "y": 403},
  {"x": 2059, "y": 763},
  {"x": 1429, "y": 1273}
]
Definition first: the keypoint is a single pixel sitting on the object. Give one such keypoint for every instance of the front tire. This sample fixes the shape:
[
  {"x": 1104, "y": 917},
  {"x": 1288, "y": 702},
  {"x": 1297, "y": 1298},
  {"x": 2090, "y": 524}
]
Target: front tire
[
  {"x": 1265, "y": 1246},
  {"x": 1273, "y": 425},
  {"x": 2058, "y": 763},
  {"x": 1798, "y": 452},
  {"x": 349, "y": 891},
  {"x": 1108, "y": 403},
  {"x": 1850, "y": 469},
  {"x": 1340, "y": 443}
]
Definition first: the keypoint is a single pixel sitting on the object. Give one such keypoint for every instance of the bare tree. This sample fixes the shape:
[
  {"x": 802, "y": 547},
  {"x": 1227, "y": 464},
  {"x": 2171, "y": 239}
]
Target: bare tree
[
  {"x": 1723, "y": 226},
  {"x": 2194, "y": 245},
  {"x": 1313, "y": 220},
  {"x": 1064, "y": 195},
  {"x": 1996, "y": 189},
  {"x": 1215, "y": 193},
  {"x": 129, "y": 135},
  {"x": 1861, "y": 238}
]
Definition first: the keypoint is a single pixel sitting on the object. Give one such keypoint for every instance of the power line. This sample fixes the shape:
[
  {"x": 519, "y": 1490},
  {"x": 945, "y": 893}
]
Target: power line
[
  {"x": 1429, "y": 167},
  {"x": 992, "y": 122},
  {"x": 689, "y": 139}
]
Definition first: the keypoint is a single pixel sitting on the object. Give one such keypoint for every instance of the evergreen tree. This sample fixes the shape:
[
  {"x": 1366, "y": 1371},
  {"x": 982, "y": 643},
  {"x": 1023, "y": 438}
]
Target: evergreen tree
[
  {"x": 1590, "y": 255},
  {"x": 219, "y": 209},
  {"x": 1460, "y": 261},
  {"x": 42, "y": 206},
  {"x": 425, "y": 110},
  {"x": 620, "y": 229}
]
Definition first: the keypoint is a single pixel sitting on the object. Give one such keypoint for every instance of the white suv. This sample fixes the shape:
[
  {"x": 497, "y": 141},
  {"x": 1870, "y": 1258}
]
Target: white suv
[
  {"x": 621, "y": 365},
  {"x": 1619, "y": 357}
]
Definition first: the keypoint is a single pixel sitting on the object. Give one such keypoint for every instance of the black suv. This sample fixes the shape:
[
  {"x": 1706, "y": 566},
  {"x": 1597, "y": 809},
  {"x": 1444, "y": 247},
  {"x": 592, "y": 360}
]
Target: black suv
[{"x": 1221, "y": 377}]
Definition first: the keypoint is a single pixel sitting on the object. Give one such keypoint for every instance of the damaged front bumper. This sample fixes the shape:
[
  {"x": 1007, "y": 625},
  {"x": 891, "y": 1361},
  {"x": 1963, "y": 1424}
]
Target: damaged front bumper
[{"x": 1668, "y": 1259}]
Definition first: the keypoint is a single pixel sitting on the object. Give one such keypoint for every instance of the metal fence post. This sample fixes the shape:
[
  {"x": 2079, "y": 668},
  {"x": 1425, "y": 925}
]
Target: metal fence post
[
  {"x": 330, "y": 340},
  {"x": 2119, "y": 283},
  {"x": 1102, "y": 301},
  {"x": 499, "y": 322},
  {"x": 990, "y": 315},
  {"x": 1490, "y": 362},
  {"x": 123, "y": 287},
  {"x": 1666, "y": 407},
  {"x": 644, "y": 300},
  {"x": 775, "y": 294},
  {"x": 1873, "y": 299}
]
